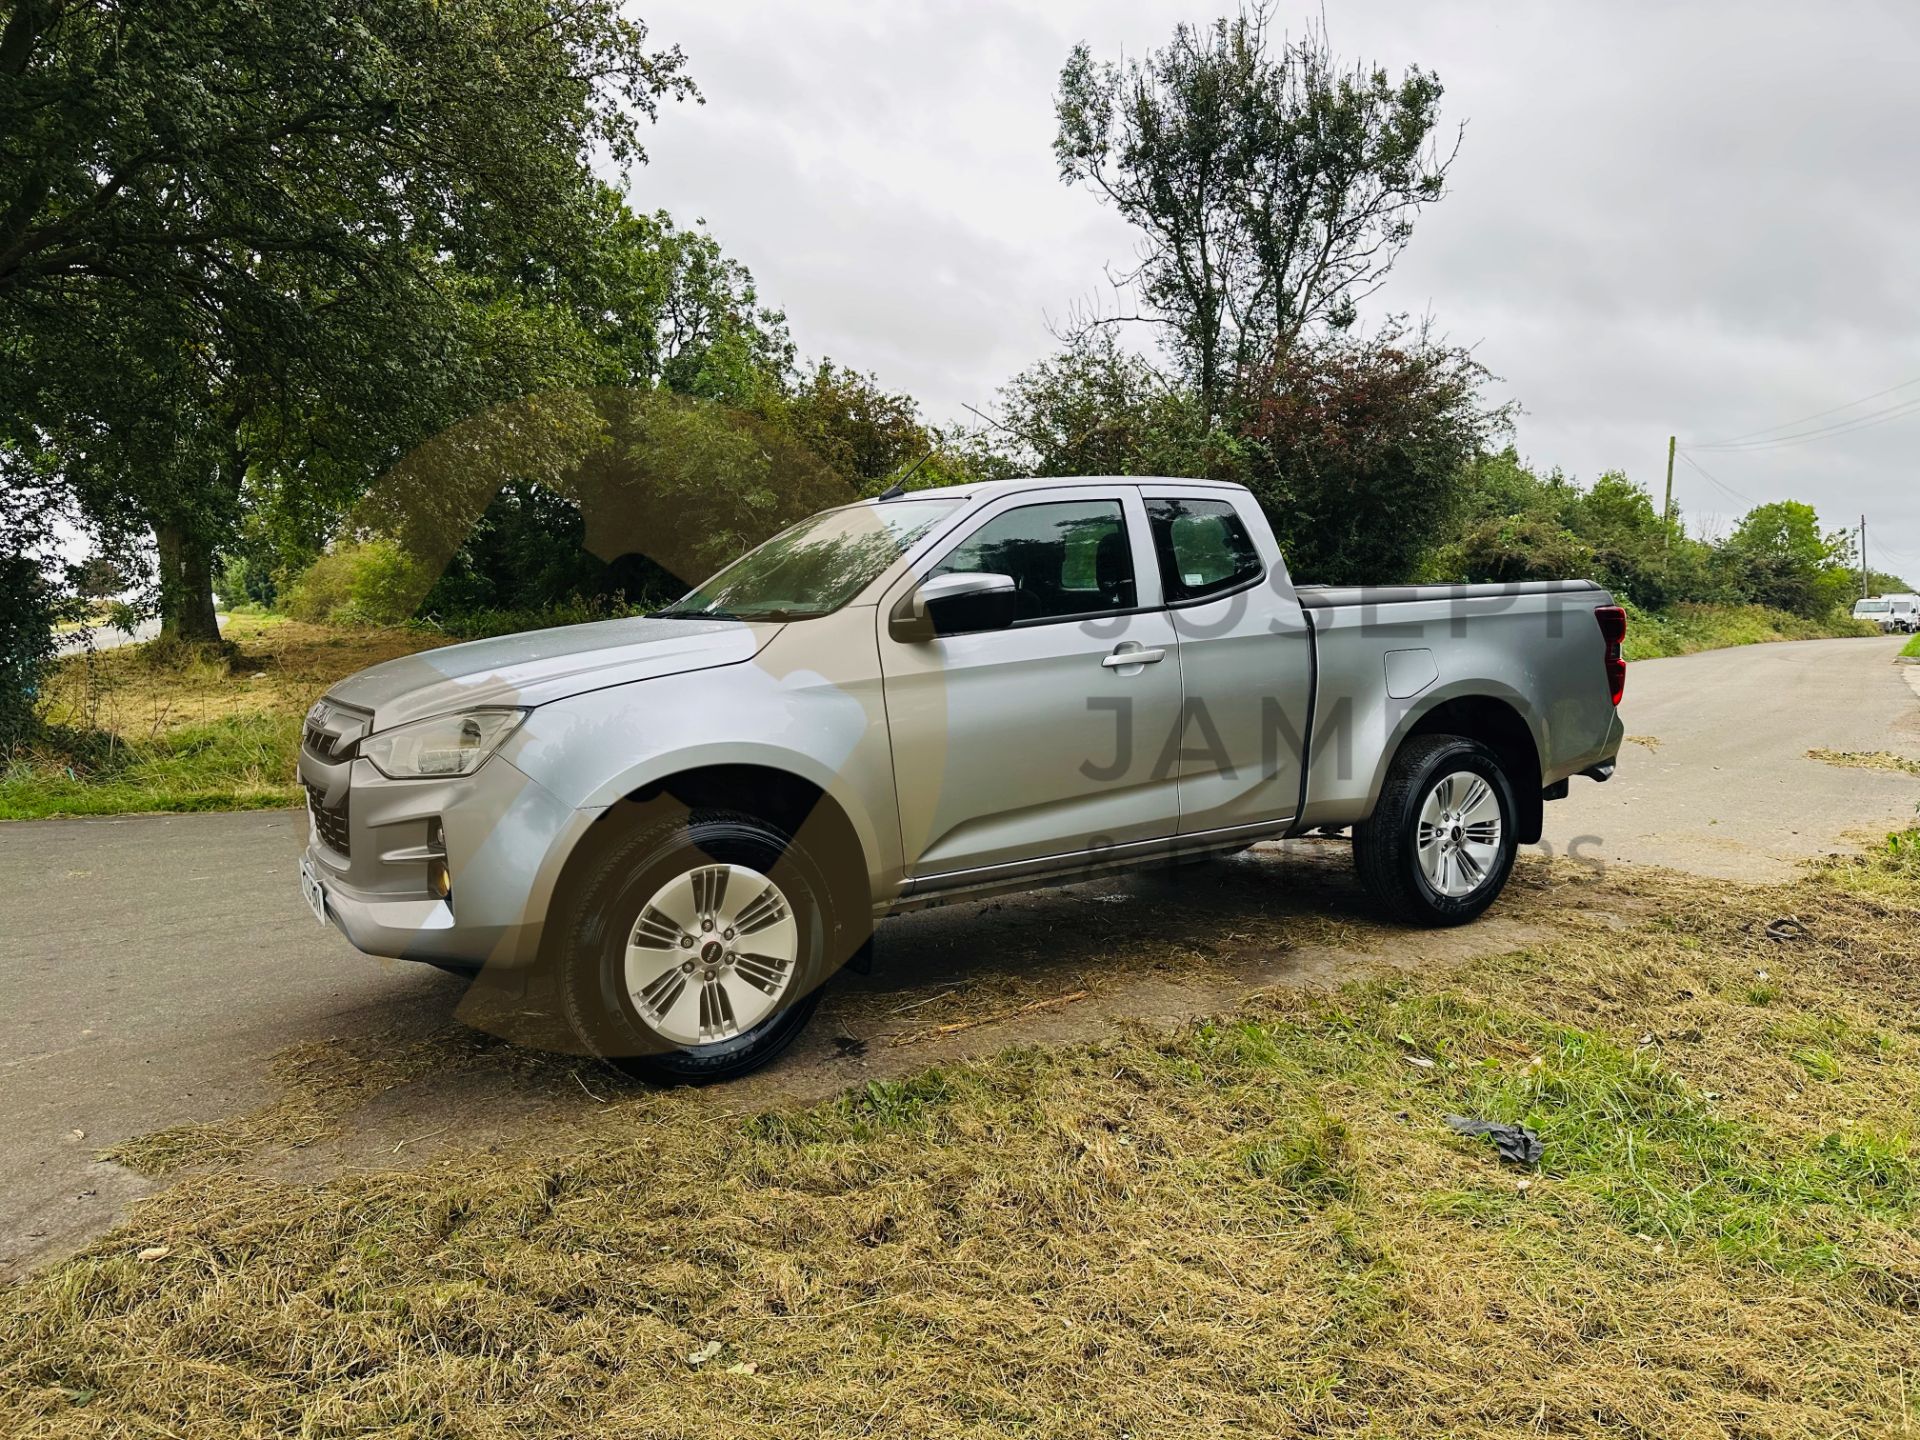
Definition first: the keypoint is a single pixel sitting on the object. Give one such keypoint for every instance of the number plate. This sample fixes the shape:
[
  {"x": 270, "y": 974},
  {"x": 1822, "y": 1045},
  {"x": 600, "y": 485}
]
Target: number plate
[{"x": 312, "y": 887}]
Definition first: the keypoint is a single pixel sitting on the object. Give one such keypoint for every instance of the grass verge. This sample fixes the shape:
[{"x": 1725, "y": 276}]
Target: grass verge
[
  {"x": 1911, "y": 650},
  {"x": 131, "y": 731},
  {"x": 1688, "y": 629},
  {"x": 1258, "y": 1224}
]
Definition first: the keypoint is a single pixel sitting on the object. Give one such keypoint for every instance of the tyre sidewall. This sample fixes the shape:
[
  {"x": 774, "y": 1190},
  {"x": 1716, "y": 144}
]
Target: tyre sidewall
[
  {"x": 1455, "y": 756},
  {"x": 598, "y": 1003}
]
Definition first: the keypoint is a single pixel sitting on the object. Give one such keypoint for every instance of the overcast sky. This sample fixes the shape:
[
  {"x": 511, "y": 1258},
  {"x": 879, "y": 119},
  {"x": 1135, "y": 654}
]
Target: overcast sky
[{"x": 1691, "y": 219}]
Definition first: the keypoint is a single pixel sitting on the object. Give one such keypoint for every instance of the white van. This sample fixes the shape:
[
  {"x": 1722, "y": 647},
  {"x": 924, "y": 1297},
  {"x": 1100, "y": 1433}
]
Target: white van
[
  {"x": 1889, "y": 612},
  {"x": 1879, "y": 610}
]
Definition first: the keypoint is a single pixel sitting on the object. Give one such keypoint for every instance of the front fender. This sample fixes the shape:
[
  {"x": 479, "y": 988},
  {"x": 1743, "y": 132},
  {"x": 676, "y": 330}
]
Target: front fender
[{"x": 776, "y": 711}]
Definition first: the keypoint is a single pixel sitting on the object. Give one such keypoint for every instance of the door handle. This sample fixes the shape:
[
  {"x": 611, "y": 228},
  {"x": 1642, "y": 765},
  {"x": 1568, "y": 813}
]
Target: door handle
[{"x": 1133, "y": 657}]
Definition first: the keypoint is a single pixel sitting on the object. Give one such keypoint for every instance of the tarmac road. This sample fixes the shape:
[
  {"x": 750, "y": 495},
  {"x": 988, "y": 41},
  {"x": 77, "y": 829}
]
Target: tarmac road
[{"x": 152, "y": 967}]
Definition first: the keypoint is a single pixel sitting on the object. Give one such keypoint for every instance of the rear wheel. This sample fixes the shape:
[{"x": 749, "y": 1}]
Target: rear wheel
[
  {"x": 1440, "y": 843},
  {"x": 696, "y": 946}
]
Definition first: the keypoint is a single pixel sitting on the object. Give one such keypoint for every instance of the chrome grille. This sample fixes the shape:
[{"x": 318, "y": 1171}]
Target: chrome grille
[{"x": 330, "y": 825}]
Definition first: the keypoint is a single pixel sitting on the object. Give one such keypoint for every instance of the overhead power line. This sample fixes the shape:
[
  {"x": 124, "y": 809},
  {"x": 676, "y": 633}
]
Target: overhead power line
[
  {"x": 1816, "y": 415},
  {"x": 1823, "y": 432},
  {"x": 1716, "y": 479}
]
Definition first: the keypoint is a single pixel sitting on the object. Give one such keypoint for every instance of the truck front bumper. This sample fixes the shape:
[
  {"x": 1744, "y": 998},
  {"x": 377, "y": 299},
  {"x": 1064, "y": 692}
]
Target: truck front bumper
[{"x": 373, "y": 842}]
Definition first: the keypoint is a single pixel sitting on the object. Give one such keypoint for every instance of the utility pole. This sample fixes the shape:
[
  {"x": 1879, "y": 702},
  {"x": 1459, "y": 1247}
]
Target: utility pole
[
  {"x": 1667, "y": 514},
  {"x": 1863, "y": 558}
]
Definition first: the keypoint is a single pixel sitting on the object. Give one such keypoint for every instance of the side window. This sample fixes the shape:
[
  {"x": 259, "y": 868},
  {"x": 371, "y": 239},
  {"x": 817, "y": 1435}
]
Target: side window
[
  {"x": 1203, "y": 548},
  {"x": 1066, "y": 559}
]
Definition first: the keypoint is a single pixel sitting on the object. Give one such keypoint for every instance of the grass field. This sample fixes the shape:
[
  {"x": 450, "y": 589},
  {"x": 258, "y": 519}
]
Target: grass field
[
  {"x": 1256, "y": 1225},
  {"x": 133, "y": 734},
  {"x": 1912, "y": 648}
]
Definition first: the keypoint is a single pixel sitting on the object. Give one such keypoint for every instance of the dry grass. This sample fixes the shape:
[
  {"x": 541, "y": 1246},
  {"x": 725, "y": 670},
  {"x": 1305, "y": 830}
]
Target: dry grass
[
  {"x": 322, "y": 1082},
  {"x": 1867, "y": 760},
  {"x": 278, "y": 667},
  {"x": 218, "y": 730},
  {"x": 1254, "y": 1225}
]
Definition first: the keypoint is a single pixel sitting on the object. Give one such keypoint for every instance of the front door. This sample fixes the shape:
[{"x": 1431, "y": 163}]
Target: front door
[{"x": 1012, "y": 746}]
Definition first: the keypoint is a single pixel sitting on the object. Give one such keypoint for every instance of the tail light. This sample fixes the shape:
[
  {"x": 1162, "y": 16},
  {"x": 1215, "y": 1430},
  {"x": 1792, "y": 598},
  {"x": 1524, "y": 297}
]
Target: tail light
[{"x": 1613, "y": 628}]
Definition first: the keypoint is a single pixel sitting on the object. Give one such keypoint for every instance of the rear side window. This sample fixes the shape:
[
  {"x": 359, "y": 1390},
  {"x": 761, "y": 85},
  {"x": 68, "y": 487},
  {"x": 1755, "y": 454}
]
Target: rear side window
[
  {"x": 1067, "y": 559},
  {"x": 1204, "y": 548}
]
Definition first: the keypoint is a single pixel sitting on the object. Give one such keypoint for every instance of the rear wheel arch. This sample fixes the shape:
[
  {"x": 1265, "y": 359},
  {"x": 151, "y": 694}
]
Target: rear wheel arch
[{"x": 1502, "y": 729}]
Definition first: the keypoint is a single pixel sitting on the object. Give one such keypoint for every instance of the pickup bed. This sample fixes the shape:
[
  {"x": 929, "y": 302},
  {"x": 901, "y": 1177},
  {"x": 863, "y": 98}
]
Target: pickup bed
[{"x": 693, "y": 819}]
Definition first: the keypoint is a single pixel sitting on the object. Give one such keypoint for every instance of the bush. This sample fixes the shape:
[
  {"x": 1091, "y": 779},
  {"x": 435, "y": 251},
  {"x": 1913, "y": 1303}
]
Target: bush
[
  {"x": 29, "y": 606},
  {"x": 1508, "y": 549},
  {"x": 373, "y": 583},
  {"x": 245, "y": 583}
]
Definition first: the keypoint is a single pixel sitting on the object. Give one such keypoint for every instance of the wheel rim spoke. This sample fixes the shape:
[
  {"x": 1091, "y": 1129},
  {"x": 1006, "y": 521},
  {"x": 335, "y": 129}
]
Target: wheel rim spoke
[{"x": 1480, "y": 804}]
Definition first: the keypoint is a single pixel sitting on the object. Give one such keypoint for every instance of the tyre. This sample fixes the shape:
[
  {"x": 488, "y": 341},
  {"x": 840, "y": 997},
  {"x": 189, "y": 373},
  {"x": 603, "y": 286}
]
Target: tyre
[
  {"x": 1440, "y": 843},
  {"x": 696, "y": 944}
]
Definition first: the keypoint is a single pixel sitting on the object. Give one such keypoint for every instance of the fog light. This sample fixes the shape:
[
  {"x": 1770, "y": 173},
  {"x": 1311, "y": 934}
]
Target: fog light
[{"x": 439, "y": 877}]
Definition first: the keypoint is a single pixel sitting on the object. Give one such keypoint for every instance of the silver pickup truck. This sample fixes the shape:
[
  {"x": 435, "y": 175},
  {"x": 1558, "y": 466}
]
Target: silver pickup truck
[{"x": 693, "y": 819}]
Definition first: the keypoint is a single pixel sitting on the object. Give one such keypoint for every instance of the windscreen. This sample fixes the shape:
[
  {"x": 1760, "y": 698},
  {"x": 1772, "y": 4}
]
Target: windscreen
[{"x": 815, "y": 567}]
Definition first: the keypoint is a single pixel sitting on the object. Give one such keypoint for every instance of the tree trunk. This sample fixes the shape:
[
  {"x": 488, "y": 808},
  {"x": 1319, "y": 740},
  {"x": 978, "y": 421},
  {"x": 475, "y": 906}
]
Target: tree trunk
[{"x": 186, "y": 585}]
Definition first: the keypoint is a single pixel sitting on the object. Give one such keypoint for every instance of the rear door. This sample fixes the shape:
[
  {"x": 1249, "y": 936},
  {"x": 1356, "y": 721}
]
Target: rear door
[
  {"x": 1014, "y": 746},
  {"x": 1246, "y": 660}
]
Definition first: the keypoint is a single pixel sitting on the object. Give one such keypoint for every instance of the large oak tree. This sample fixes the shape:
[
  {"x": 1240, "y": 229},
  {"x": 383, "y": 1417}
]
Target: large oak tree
[{"x": 234, "y": 223}]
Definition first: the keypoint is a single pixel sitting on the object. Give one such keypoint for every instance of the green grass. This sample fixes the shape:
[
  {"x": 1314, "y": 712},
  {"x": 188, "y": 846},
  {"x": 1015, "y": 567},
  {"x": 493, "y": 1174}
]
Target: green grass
[
  {"x": 135, "y": 729},
  {"x": 1688, "y": 629},
  {"x": 237, "y": 762},
  {"x": 1911, "y": 650}
]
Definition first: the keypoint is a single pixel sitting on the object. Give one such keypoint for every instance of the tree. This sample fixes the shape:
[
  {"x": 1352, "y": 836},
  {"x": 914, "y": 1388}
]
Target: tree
[
  {"x": 862, "y": 430},
  {"x": 196, "y": 198},
  {"x": 1273, "y": 187},
  {"x": 667, "y": 306},
  {"x": 1784, "y": 561},
  {"x": 1098, "y": 409},
  {"x": 1357, "y": 449}
]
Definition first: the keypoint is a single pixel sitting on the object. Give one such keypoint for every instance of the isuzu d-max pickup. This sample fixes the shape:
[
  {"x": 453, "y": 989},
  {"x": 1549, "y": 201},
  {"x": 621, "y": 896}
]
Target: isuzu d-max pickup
[{"x": 692, "y": 819}]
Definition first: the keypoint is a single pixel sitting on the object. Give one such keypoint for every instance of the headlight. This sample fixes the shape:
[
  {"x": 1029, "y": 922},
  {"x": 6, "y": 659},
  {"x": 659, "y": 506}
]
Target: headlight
[{"x": 450, "y": 745}]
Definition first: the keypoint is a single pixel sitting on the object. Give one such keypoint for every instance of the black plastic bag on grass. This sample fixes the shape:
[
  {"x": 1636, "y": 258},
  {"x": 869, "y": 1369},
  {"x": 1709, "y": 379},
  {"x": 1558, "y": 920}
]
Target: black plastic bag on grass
[{"x": 1516, "y": 1143}]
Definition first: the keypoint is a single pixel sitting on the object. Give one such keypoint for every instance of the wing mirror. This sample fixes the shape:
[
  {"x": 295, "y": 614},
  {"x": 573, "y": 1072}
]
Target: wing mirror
[{"x": 959, "y": 604}]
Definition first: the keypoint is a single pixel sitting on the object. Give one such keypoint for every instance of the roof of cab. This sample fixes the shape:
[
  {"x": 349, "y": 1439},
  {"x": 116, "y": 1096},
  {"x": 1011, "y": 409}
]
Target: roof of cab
[{"x": 1040, "y": 482}]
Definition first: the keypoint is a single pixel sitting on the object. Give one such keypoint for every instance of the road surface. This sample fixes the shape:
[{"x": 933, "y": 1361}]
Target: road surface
[
  {"x": 154, "y": 966},
  {"x": 1716, "y": 779},
  {"x": 106, "y": 637}
]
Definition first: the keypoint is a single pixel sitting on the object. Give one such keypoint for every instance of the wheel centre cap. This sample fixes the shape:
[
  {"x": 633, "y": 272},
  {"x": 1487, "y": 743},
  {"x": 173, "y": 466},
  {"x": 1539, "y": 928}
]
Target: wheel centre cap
[
  {"x": 713, "y": 952},
  {"x": 1458, "y": 834}
]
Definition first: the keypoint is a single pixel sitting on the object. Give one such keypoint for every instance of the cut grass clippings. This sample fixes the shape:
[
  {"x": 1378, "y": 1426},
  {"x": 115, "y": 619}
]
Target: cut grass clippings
[
  {"x": 1867, "y": 760},
  {"x": 1258, "y": 1224}
]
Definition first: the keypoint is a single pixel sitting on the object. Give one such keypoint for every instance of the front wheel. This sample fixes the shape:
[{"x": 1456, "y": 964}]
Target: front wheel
[
  {"x": 1440, "y": 843},
  {"x": 696, "y": 946}
]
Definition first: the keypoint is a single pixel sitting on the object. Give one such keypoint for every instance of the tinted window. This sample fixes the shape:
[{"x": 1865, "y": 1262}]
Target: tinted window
[
  {"x": 1203, "y": 548},
  {"x": 1066, "y": 559}
]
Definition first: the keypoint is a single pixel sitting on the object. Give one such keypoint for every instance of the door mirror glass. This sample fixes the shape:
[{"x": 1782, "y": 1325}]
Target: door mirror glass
[{"x": 955, "y": 604}]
